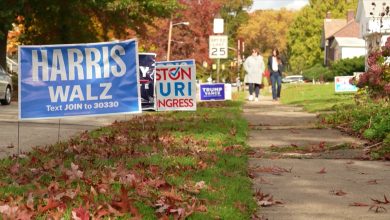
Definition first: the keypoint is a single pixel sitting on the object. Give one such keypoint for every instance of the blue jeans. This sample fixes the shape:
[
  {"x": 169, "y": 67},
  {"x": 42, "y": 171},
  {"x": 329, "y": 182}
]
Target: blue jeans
[
  {"x": 276, "y": 82},
  {"x": 256, "y": 88}
]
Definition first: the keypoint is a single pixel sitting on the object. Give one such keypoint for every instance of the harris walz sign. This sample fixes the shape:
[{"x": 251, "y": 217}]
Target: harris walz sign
[{"x": 57, "y": 81}]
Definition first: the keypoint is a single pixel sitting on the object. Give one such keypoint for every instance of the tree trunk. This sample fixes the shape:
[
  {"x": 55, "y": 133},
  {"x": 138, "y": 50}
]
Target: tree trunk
[{"x": 3, "y": 49}]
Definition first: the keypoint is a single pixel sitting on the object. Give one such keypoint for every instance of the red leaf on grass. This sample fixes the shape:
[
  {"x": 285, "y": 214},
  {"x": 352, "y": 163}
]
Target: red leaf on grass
[
  {"x": 14, "y": 168},
  {"x": 172, "y": 195},
  {"x": 51, "y": 204},
  {"x": 322, "y": 171},
  {"x": 125, "y": 204},
  {"x": 80, "y": 214},
  {"x": 322, "y": 145}
]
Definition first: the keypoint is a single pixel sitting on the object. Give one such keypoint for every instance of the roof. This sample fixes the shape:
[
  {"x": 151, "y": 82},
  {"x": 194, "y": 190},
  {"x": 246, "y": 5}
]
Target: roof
[
  {"x": 366, "y": 7},
  {"x": 349, "y": 42},
  {"x": 333, "y": 25},
  {"x": 352, "y": 29}
]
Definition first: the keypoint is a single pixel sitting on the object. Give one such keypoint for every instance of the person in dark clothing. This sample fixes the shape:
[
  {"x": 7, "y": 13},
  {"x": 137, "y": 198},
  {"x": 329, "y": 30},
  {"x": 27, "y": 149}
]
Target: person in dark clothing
[{"x": 275, "y": 66}]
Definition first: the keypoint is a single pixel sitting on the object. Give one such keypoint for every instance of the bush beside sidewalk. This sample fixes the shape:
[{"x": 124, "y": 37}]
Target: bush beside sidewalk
[{"x": 355, "y": 114}]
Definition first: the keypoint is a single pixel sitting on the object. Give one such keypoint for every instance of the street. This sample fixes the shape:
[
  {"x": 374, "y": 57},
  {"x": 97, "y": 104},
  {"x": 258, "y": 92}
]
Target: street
[{"x": 42, "y": 132}]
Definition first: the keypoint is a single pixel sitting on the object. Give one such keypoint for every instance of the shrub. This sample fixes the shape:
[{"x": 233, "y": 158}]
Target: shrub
[
  {"x": 377, "y": 78},
  {"x": 371, "y": 119},
  {"x": 318, "y": 72},
  {"x": 346, "y": 67}
]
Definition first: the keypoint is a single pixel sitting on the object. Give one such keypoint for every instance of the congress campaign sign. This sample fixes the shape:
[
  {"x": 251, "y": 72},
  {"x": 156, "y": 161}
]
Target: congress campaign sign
[
  {"x": 81, "y": 79},
  {"x": 212, "y": 92},
  {"x": 342, "y": 84},
  {"x": 147, "y": 70},
  {"x": 176, "y": 62},
  {"x": 176, "y": 86}
]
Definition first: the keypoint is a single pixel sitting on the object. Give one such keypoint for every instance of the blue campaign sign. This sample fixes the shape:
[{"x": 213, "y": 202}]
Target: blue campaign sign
[
  {"x": 147, "y": 71},
  {"x": 212, "y": 92},
  {"x": 56, "y": 81},
  {"x": 176, "y": 63},
  {"x": 343, "y": 84}
]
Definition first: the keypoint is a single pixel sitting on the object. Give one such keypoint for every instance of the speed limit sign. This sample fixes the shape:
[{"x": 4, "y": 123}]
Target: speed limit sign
[{"x": 218, "y": 46}]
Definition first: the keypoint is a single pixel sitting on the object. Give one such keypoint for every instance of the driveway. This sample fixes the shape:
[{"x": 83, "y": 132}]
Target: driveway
[{"x": 20, "y": 136}]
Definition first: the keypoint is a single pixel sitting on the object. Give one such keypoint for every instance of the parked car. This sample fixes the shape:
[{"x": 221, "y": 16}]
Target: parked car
[
  {"x": 293, "y": 79},
  {"x": 5, "y": 87}
]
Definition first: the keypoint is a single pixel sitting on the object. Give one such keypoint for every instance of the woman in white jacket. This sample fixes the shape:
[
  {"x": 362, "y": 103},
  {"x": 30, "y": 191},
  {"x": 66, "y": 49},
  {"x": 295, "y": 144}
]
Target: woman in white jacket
[{"x": 254, "y": 66}]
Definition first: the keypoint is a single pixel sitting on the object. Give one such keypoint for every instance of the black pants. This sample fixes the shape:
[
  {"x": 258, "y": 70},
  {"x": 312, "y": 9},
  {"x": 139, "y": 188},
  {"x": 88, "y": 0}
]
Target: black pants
[{"x": 255, "y": 87}]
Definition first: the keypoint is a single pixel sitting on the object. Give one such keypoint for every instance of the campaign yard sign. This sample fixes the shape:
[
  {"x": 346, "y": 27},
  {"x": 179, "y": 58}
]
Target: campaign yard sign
[
  {"x": 212, "y": 92},
  {"x": 147, "y": 71},
  {"x": 57, "y": 81},
  {"x": 176, "y": 86},
  {"x": 176, "y": 62},
  {"x": 342, "y": 84}
]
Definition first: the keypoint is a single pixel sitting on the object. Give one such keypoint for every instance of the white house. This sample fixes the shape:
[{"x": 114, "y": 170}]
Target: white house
[
  {"x": 341, "y": 38},
  {"x": 348, "y": 47},
  {"x": 373, "y": 17}
]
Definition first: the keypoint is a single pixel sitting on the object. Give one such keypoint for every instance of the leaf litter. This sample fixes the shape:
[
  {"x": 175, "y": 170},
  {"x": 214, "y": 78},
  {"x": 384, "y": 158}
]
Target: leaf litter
[{"x": 108, "y": 172}]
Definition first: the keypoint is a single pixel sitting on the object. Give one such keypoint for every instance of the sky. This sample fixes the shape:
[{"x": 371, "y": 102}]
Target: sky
[{"x": 277, "y": 4}]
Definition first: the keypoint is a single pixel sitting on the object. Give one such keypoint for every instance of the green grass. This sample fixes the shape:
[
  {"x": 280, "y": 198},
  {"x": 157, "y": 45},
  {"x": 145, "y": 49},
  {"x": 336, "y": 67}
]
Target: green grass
[
  {"x": 354, "y": 112},
  {"x": 183, "y": 148},
  {"x": 314, "y": 98}
]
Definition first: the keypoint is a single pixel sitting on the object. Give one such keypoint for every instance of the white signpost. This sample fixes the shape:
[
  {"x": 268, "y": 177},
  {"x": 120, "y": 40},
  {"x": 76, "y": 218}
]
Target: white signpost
[{"x": 218, "y": 47}]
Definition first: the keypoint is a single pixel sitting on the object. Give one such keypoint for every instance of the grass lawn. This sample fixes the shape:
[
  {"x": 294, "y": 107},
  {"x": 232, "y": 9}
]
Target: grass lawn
[
  {"x": 176, "y": 165},
  {"x": 314, "y": 98},
  {"x": 366, "y": 118}
]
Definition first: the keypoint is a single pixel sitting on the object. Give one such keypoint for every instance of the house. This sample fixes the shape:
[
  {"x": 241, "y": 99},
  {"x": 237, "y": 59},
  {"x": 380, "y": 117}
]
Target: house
[
  {"x": 374, "y": 20},
  {"x": 341, "y": 38}
]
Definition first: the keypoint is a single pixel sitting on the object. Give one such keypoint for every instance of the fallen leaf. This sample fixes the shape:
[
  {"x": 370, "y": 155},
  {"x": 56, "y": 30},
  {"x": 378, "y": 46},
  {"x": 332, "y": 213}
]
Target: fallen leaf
[
  {"x": 30, "y": 202},
  {"x": 372, "y": 182},
  {"x": 200, "y": 185},
  {"x": 51, "y": 204},
  {"x": 25, "y": 215},
  {"x": 338, "y": 192},
  {"x": 358, "y": 204},
  {"x": 172, "y": 195},
  {"x": 322, "y": 171},
  {"x": 14, "y": 168},
  {"x": 321, "y": 145},
  {"x": 201, "y": 208},
  {"x": 377, "y": 201},
  {"x": 377, "y": 208},
  {"x": 80, "y": 214},
  {"x": 8, "y": 210}
]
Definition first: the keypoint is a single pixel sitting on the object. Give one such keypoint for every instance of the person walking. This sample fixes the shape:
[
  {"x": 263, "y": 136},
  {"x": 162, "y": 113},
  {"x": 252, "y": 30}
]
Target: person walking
[
  {"x": 275, "y": 66},
  {"x": 254, "y": 66}
]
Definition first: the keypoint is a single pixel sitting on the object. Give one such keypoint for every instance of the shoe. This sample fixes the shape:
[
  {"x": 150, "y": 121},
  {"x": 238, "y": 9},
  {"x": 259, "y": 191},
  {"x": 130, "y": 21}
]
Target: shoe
[
  {"x": 250, "y": 98},
  {"x": 256, "y": 99}
]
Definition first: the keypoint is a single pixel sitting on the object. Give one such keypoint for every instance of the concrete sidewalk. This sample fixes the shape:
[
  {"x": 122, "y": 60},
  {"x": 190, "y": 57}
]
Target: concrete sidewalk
[{"x": 308, "y": 186}]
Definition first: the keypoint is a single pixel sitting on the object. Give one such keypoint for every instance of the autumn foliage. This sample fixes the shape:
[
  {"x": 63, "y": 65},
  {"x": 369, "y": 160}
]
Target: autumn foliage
[{"x": 377, "y": 78}]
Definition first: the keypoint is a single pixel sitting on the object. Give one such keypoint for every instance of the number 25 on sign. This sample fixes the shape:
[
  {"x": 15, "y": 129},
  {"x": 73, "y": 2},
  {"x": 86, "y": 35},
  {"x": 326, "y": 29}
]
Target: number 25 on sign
[{"x": 218, "y": 47}]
